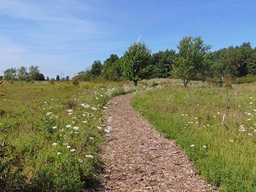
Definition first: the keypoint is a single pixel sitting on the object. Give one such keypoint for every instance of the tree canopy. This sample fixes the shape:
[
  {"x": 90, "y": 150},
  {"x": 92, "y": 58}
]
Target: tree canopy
[
  {"x": 192, "y": 59},
  {"x": 134, "y": 60}
]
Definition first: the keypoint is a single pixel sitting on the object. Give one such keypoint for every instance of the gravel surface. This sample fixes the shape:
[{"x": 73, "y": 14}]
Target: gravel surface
[{"x": 139, "y": 158}]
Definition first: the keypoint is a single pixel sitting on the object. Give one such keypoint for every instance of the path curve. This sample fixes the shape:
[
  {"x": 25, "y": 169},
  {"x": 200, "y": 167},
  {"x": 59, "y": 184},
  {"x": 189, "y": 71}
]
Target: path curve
[{"x": 139, "y": 158}]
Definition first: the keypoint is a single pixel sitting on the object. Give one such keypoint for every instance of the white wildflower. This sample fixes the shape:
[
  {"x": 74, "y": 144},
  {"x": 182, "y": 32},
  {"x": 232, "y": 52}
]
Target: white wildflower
[
  {"x": 88, "y": 156},
  {"x": 54, "y": 127},
  {"x": 69, "y": 110},
  {"x": 204, "y": 146},
  {"x": 68, "y": 146},
  {"x": 75, "y": 128},
  {"x": 80, "y": 161},
  {"x": 84, "y": 121},
  {"x": 58, "y": 153},
  {"x": 49, "y": 113},
  {"x": 231, "y": 140},
  {"x": 94, "y": 108},
  {"x": 68, "y": 126},
  {"x": 54, "y": 144},
  {"x": 91, "y": 138},
  {"x": 192, "y": 145},
  {"x": 72, "y": 150}
]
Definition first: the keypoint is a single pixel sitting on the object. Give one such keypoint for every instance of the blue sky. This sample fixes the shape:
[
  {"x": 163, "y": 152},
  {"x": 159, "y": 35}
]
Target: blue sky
[{"x": 69, "y": 35}]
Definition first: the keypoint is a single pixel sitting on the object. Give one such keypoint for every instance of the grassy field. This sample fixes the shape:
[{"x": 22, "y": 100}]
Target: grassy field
[
  {"x": 216, "y": 127},
  {"x": 49, "y": 130}
]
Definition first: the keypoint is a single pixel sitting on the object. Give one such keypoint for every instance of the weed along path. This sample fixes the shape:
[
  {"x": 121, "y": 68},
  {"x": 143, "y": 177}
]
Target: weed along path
[{"x": 138, "y": 158}]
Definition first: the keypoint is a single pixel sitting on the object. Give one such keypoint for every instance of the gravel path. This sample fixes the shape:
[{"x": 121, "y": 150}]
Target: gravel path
[{"x": 138, "y": 158}]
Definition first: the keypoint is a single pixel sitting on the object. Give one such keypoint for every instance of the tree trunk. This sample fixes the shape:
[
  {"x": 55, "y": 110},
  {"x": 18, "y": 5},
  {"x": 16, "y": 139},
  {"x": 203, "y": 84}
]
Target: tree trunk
[{"x": 135, "y": 82}]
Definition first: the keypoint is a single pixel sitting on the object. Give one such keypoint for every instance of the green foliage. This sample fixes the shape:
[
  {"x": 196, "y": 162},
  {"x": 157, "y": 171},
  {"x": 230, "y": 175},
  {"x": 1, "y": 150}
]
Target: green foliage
[
  {"x": 96, "y": 69},
  {"x": 192, "y": 59},
  {"x": 215, "y": 127},
  {"x": 112, "y": 68},
  {"x": 162, "y": 62},
  {"x": 134, "y": 60},
  {"x": 50, "y": 136}
]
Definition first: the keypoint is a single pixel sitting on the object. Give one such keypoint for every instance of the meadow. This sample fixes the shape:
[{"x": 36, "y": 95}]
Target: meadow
[
  {"x": 216, "y": 127},
  {"x": 50, "y": 135},
  {"x": 49, "y": 130}
]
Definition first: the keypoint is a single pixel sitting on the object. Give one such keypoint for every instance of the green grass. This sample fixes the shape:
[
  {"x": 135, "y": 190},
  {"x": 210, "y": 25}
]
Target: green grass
[
  {"x": 50, "y": 135},
  {"x": 223, "y": 151}
]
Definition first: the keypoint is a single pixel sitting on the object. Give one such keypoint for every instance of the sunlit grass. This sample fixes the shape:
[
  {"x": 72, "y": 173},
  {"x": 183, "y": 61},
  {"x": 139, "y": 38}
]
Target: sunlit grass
[
  {"x": 50, "y": 135},
  {"x": 216, "y": 127}
]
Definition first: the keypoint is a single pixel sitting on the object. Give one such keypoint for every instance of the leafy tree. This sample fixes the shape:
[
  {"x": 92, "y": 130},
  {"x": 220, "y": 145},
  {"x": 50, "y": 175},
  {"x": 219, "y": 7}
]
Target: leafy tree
[
  {"x": 96, "y": 69},
  {"x": 34, "y": 72},
  {"x": 162, "y": 62},
  {"x": 192, "y": 59},
  {"x": 57, "y": 78},
  {"x": 10, "y": 74},
  {"x": 134, "y": 60},
  {"x": 22, "y": 73},
  {"x": 112, "y": 68}
]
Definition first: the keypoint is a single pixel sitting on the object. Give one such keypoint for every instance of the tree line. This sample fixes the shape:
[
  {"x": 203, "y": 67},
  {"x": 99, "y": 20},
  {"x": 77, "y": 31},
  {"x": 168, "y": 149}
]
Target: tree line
[{"x": 193, "y": 61}]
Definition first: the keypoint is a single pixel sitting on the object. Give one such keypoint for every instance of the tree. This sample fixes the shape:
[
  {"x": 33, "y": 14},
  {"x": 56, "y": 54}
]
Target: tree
[
  {"x": 192, "y": 59},
  {"x": 22, "y": 73},
  {"x": 57, "y": 78},
  {"x": 96, "y": 69},
  {"x": 10, "y": 74},
  {"x": 112, "y": 68},
  {"x": 34, "y": 72},
  {"x": 162, "y": 62},
  {"x": 134, "y": 60}
]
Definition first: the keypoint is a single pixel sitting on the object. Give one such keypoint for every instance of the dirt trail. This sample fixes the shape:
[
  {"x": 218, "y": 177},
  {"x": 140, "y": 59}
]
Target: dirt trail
[{"x": 138, "y": 158}]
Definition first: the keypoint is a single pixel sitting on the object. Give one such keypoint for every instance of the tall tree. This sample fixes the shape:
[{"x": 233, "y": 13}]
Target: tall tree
[
  {"x": 96, "y": 69},
  {"x": 134, "y": 60},
  {"x": 10, "y": 74},
  {"x": 34, "y": 72},
  {"x": 192, "y": 59},
  {"x": 22, "y": 73},
  {"x": 57, "y": 78},
  {"x": 112, "y": 68}
]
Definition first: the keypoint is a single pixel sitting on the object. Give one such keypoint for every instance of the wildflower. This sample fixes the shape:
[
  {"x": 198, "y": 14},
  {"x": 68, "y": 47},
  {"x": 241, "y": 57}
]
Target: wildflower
[
  {"x": 250, "y": 97},
  {"x": 68, "y": 126},
  {"x": 192, "y": 145},
  {"x": 72, "y": 150},
  {"x": 80, "y": 161},
  {"x": 91, "y": 138},
  {"x": 204, "y": 146},
  {"x": 94, "y": 108},
  {"x": 242, "y": 128},
  {"x": 88, "y": 156},
  {"x": 52, "y": 99},
  {"x": 85, "y": 105},
  {"x": 68, "y": 146},
  {"x": 251, "y": 103},
  {"x": 75, "y": 128},
  {"x": 49, "y": 113},
  {"x": 54, "y": 127},
  {"x": 84, "y": 121},
  {"x": 99, "y": 127},
  {"x": 69, "y": 110},
  {"x": 249, "y": 134},
  {"x": 70, "y": 113},
  {"x": 45, "y": 102},
  {"x": 231, "y": 140},
  {"x": 58, "y": 153},
  {"x": 54, "y": 144},
  {"x": 218, "y": 113}
]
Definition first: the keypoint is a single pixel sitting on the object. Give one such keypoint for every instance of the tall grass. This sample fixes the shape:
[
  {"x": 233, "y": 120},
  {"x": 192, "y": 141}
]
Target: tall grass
[
  {"x": 215, "y": 127},
  {"x": 50, "y": 135}
]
